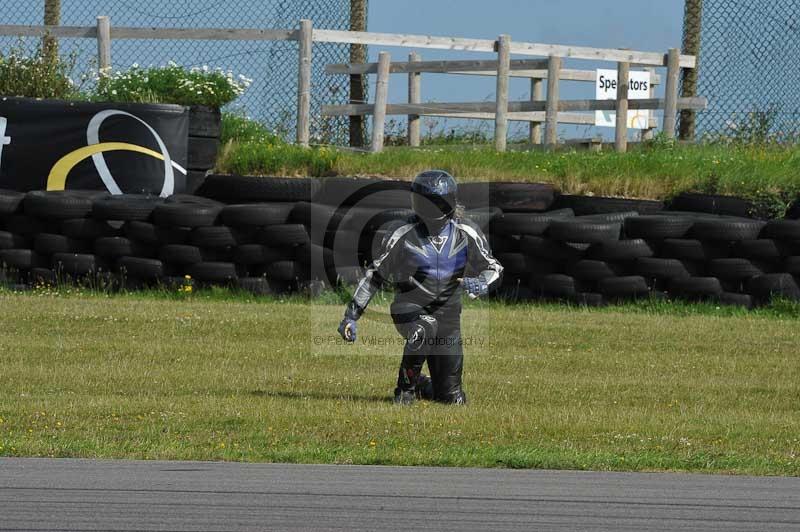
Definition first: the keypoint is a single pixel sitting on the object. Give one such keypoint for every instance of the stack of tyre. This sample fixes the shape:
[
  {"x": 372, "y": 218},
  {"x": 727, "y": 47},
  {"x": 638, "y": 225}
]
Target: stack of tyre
[
  {"x": 648, "y": 252},
  {"x": 278, "y": 234}
]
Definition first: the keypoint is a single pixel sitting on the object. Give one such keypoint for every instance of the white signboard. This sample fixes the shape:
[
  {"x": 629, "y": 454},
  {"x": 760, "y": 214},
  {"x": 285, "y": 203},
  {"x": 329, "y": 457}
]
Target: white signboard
[{"x": 638, "y": 89}]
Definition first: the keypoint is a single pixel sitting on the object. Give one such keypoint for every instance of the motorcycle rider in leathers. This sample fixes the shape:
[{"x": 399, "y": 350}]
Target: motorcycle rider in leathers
[{"x": 431, "y": 260}]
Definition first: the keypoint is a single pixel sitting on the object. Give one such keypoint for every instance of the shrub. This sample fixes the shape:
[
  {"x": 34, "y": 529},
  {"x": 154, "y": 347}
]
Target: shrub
[
  {"x": 237, "y": 127},
  {"x": 171, "y": 84},
  {"x": 37, "y": 74}
]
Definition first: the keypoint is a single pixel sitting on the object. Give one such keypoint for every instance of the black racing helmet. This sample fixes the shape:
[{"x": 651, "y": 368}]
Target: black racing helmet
[{"x": 433, "y": 198}]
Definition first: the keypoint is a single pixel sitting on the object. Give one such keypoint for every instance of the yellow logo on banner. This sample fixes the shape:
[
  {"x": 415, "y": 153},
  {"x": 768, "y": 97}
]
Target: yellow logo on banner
[{"x": 57, "y": 179}]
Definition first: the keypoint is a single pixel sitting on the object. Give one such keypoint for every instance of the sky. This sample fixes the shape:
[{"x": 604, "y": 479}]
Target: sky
[{"x": 646, "y": 25}]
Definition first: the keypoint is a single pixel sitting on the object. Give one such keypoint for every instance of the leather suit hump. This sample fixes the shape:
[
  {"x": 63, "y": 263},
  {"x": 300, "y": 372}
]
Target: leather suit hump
[{"x": 427, "y": 270}]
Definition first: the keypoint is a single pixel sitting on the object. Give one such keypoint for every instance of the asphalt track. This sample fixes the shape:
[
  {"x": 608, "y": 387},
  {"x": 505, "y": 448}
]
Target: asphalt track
[{"x": 60, "y": 495}]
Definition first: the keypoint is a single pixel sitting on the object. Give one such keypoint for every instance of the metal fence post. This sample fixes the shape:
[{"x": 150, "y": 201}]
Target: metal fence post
[
  {"x": 305, "y": 42},
  {"x": 414, "y": 97},
  {"x": 381, "y": 97},
  {"x": 671, "y": 92},
  {"x": 104, "y": 44},
  {"x": 501, "y": 110},
  {"x": 536, "y": 96},
  {"x": 551, "y": 107},
  {"x": 621, "y": 130}
]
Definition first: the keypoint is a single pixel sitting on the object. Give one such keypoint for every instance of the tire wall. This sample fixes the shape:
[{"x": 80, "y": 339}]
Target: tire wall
[
  {"x": 279, "y": 234},
  {"x": 204, "y": 144}
]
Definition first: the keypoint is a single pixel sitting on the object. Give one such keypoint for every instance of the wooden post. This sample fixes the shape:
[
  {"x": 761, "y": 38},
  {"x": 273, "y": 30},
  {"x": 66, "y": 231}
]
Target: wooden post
[
  {"x": 621, "y": 131},
  {"x": 381, "y": 98},
  {"x": 692, "y": 31},
  {"x": 305, "y": 42},
  {"x": 52, "y": 17},
  {"x": 501, "y": 110},
  {"x": 648, "y": 133},
  {"x": 671, "y": 92},
  {"x": 414, "y": 96},
  {"x": 104, "y": 44},
  {"x": 536, "y": 96},
  {"x": 358, "y": 83},
  {"x": 551, "y": 106}
]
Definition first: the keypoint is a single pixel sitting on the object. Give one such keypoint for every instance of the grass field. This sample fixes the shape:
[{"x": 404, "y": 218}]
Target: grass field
[{"x": 224, "y": 378}]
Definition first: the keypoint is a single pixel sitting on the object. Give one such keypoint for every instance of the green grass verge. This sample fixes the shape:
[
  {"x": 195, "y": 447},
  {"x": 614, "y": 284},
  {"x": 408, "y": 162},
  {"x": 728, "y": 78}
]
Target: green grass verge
[
  {"x": 768, "y": 174},
  {"x": 216, "y": 376}
]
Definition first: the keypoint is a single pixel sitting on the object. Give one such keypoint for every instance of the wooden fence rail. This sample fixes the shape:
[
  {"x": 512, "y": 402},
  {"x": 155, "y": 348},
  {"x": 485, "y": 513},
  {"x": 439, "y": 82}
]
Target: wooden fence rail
[{"x": 550, "y": 110}]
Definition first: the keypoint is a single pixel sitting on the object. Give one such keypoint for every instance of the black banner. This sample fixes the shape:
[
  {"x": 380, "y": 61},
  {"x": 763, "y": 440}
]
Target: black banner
[{"x": 131, "y": 148}]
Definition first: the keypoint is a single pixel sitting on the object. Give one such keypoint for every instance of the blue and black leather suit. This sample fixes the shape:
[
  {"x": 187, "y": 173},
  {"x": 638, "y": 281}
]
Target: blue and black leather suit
[{"x": 426, "y": 271}]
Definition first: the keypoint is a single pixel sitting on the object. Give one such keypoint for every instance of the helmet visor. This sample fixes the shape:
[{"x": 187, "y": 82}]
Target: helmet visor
[{"x": 433, "y": 206}]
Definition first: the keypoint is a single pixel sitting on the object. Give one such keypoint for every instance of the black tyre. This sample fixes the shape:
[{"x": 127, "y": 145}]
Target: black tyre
[
  {"x": 114, "y": 247},
  {"x": 658, "y": 268},
  {"x": 515, "y": 223},
  {"x": 48, "y": 244},
  {"x": 125, "y": 207},
  {"x": 216, "y": 236},
  {"x": 258, "y": 286},
  {"x": 147, "y": 233},
  {"x": 726, "y": 229},
  {"x": 347, "y": 275},
  {"x": 77, "y": 264},
  {"x": 283, "y": 235},
  {"x": 12, "y": 241},
  {"x": 658, "y": 227},
  {"x": 248, "y": 189},
  {"x": 733, "y": 269},
  {"x": 628, "y": 287},
  {"x": 185, "y": 214},
  {"x": 286, "y": 270},
  {"x": 87, "y": 228},
  {"x": 519, "y": 197},
  {"x": 483, "y": 217},
  {"x": 364, "y": 192},
  {"x": 593, "y": 270},
  {"x": 61, "y": 204},
  {"x": 44, "y": 276},
  {"x": 763, "y": 249},
  {"x": 712, "y": 204},
  {"x": 22, "y": 224},
  {"x": 765, "y": 287},
  {"x": 201, "y": 153},
  {"x": 695, "y": 250},
  {"x": 204, "y": 121},
  {"x": 735, "y": 299},
  {"x": 583, "y": 205},
  {"x": 256, "y": 214},
  {"x": 610, "y": 217},
  {"x": 583, "y": 232},
  {"x": 791, "y": 265},
  {"x": 552, "y": 250},
  {"x": 141, "y": 268},
  {"x": 214, "y": 272},
  {"x": 179, "y": 254},
  {"x": 696, "y": 288},
  {"x": 21, "y": 259},
  {"x": 589, "y": 299},
  {"x": 782, "y": 230},
  {"x": 555, "y": 285},
  {"x": 620, "y": 250},
  {"x": 513, "y": 263},
  {"x": 10, "y": 202}
]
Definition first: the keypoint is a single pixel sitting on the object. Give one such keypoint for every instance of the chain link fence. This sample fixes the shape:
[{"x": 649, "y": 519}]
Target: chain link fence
[
  {"x": 749, "y": 57},
  {"x": 272, "y": 65}
]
